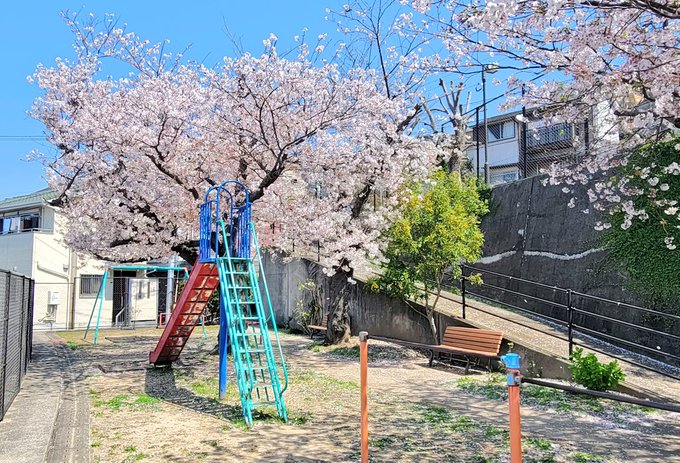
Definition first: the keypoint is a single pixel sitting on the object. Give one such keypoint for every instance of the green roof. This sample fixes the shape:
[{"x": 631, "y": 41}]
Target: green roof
[{"x": 37, "y": 198}]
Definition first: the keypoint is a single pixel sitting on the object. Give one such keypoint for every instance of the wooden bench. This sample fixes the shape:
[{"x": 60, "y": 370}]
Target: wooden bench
[
  {"x": 468, "y": 343},
  {"x": 322, "y": 328}
]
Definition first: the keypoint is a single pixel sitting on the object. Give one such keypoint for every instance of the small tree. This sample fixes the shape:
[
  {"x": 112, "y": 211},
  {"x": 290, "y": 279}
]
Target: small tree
[{"x": 438, "y": 229}]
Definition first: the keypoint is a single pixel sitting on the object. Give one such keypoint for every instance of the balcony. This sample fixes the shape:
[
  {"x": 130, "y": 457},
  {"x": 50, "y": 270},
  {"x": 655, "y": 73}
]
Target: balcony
[{"x": 554, "y": 137}]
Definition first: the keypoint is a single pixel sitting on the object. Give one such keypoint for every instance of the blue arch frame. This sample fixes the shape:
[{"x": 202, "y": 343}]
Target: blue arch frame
[{"x": 211, "y": 221}]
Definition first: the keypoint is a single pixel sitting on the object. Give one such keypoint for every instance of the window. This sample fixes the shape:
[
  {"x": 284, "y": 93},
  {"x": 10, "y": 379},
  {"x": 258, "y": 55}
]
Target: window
[
  {"x": 30, "y": 222},
  {"x": 497, "y": 131},
  {"x": 16, "y": 222},
  {"x": 89, "y": 285},
  {"x": 503, "y": 177},
  {"x": 501, "y": 131}
]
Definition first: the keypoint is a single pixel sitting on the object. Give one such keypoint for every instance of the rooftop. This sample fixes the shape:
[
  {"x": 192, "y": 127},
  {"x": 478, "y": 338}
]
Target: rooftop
[{"x": 37, "y": 198}]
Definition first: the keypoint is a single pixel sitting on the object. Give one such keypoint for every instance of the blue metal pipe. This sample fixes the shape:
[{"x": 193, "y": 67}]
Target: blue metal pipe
[{"x": 223, "y": 342}]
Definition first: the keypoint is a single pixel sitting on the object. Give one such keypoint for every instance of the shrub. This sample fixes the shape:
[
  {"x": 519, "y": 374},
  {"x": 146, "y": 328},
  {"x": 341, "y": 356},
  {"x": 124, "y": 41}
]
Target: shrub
[{"x": 588, "y": 371}]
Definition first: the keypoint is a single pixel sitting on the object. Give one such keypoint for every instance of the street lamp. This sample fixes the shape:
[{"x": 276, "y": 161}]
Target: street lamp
[{"x": 486, "y": 68}]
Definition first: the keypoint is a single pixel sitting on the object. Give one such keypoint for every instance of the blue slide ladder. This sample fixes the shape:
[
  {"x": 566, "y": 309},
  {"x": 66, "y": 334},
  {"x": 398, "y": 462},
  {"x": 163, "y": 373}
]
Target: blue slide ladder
[{"x": 261, "y": 372}]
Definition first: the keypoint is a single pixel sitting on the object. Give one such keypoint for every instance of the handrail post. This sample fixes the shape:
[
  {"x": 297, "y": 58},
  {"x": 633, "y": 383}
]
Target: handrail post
[
  {"x": 318, "y": 251},
  {"x": 511, "y": 362},
  {"x": 570, "y": 325},
  {"x": 462, "y": 291},
  {"x": 363, "y": 343}
]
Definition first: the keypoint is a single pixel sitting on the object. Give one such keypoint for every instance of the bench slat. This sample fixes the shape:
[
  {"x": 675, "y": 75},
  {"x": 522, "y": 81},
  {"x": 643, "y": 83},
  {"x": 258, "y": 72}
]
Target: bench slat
[
  {"x": 473, "y": 346},
  {"x": 467, "y": 334},
  {"x": 473, "y": 340},
  {"x": 453, "y": 338},
  {"x": 453, "y": 350}
]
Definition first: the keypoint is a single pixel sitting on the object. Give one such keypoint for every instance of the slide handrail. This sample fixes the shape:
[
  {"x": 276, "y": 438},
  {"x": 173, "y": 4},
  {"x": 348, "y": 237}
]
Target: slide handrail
[{"x": 269, "y": 303}]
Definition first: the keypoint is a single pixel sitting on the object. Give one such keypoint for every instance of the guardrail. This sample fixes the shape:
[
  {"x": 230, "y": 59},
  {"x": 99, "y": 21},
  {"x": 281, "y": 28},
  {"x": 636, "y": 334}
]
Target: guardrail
[{"x": 565, "y": 307}]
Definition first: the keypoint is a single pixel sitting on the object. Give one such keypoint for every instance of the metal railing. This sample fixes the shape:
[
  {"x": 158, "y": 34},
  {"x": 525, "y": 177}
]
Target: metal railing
[
  {"x": 16, "y": 322},
  {"x": 558, "y": 134},
  {"x": 571, "y": 311},
  {"x": 578, "y": 314}
]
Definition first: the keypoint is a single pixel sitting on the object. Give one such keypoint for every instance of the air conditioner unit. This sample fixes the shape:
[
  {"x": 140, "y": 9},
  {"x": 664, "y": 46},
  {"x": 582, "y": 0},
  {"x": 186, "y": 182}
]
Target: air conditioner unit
[{"x": 53, "y": 298}]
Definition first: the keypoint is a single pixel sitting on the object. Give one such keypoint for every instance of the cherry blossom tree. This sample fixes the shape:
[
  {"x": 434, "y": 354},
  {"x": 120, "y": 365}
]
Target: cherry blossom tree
[
  {"x": 136, "y": 153},
  {"x": 618, "y": 56},
  {"x": 373, "y": 38}
]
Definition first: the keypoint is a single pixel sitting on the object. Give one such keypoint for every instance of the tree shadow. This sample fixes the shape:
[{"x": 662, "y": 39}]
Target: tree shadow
[{"x": 161, "y": 383}]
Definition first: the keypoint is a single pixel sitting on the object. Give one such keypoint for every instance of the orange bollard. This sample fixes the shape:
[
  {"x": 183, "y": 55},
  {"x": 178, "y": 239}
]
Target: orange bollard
[
  {"x": 363, "y": 339},
  {"x": 511, "y": 362}
]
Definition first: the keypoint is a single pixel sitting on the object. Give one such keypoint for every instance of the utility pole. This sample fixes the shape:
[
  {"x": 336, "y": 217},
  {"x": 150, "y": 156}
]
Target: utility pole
[
  {"x": 486, "y": 128},
  {"x": 477, "y": 137},
  {"x": 524, "y": 137}
]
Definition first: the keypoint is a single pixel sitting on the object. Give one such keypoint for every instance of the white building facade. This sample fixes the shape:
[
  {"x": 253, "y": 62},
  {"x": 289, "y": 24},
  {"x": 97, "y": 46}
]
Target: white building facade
[
  {"x": 67, "y": 284},
  {"x": 546, "y": 143}
]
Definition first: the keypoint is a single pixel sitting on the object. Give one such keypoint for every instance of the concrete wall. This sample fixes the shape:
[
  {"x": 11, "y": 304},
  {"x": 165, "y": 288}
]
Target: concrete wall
[
  {"x": 531, "y": 233},
  {"x": 381, "y": 315},
  {"x": 375, "y": 313}
]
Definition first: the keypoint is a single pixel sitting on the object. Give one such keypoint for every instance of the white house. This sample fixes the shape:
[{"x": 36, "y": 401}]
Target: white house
[
  {"x": 66, "y": 283},
  {"x": 545, "y": 143}
]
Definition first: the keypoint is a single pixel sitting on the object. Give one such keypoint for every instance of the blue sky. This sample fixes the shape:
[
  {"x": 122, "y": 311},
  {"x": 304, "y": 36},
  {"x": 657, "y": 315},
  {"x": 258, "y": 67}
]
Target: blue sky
[{"x": 33, "y": 32}]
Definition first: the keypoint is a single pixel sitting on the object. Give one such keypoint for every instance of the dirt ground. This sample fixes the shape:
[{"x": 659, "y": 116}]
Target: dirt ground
[{"x": 417, "y": 413}]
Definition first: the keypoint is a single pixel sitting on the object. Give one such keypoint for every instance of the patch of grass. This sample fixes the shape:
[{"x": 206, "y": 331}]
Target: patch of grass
[
  {"x": 437, "y": 415},
  {"x": 537, "y": 442},
  {"x": 462, "y": 423},
  {"x": 206, "y": 387},
  {"x": 241, "y": 424},
  {"x": 582, "y": 457},
  {"x": 381, "y": 442},
  {"x": 493, "y": 431},
  {"x": 130, "y": 449},
  {"x": 442, "y": 417},
  {"x": 146, "y": 399},
  {"x": 493, "y": 386},
  {"x": 139, "y": 456},
  {"x": 95, "y": 444},
  {"x": 122, "y": 400},
  {"x": 73, "y": 345},
  {"x": 300, "y": 418},
  {"x": 312, "y": 378},
  {"x": 115, "y": 403}
]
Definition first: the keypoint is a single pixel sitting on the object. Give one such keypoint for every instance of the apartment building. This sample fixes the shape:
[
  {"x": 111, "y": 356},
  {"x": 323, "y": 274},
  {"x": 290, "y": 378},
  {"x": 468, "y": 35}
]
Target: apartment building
[
  {"x": 68, "y": 284},
  {"x": 513, "y": 154}
]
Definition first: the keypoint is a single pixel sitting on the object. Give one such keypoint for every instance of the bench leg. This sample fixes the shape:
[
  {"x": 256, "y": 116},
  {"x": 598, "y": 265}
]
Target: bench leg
[
  {"x": 431, "y": 358},
  {"x": 467, "y": 365}
]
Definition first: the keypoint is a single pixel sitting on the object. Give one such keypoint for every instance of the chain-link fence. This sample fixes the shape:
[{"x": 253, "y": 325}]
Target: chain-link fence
[
  {"x": 542, "y": 144},
  {"x": 125, "y": 301},
  {"x": 526, "y": 143},
  {"x": 16, "y": 320}
]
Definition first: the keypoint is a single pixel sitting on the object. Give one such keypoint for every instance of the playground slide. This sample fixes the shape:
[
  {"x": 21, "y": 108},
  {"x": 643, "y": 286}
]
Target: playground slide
[{"x": 202, "y": 283}]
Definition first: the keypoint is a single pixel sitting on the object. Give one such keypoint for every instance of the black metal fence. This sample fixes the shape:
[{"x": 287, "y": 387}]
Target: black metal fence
[
  {"x": 646, "y": 331},
  {"x": 16, "y": 322}
]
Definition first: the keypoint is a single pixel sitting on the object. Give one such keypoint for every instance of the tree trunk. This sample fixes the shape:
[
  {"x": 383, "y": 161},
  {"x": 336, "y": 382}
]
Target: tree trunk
[
  {"x": 339, "y": 330},
  {"x": 429, "y": 308},
  {"x": 433, "y": 326}
]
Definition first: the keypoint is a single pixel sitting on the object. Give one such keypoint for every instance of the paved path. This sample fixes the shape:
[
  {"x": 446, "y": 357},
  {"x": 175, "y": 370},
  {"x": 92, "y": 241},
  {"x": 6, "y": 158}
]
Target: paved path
[{"x": 49, "y": 419}]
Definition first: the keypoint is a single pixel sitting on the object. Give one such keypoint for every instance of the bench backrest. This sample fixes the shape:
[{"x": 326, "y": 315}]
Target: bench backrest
[
  {"x": 473, "y": 339},
  {"x": 324, "y": 320}
]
